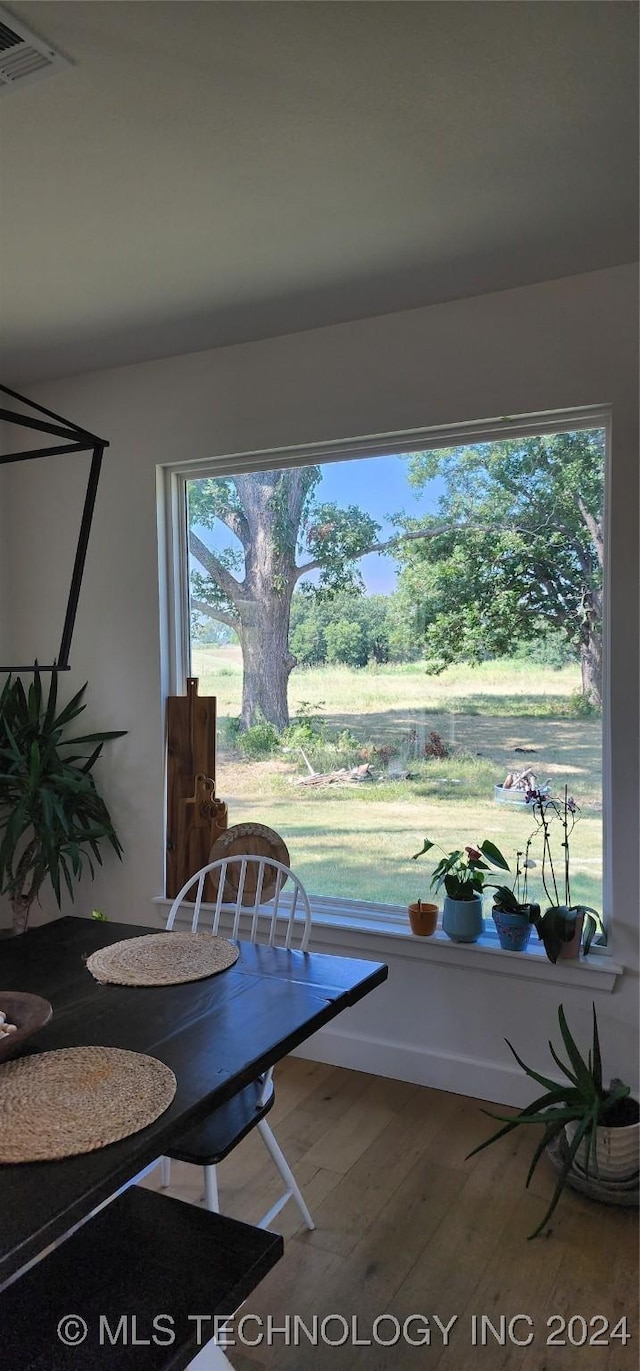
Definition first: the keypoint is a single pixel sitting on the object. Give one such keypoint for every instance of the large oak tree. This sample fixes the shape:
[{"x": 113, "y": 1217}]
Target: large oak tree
[
  {"x": 521, "y": 549},
  {"x": 281, "y": 535}
]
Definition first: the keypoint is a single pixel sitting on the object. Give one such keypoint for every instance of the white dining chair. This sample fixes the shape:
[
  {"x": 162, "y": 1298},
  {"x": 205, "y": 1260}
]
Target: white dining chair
[{"x": 282, "y": 919}]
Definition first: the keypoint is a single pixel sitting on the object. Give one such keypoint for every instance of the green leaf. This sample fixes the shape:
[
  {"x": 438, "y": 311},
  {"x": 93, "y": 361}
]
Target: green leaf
[
  {"x": 572, "y": 1149},
  {"x": 561, "y": 1064},
  {"x": 551, "y": 1131},
  {"x": 426, "y": 847},
  {"x": 596, "y": 1067},
  {"x": 580, "y": 1067},
  {"x": 504, "y": 898},
  {"x": 34, "y": 765},
  {"x": 534, "y": 1075},
  {"x": 494, "y": 854},
  {"x": 97, "y": 737},
  {"x": 592, "y": 924},
  {"x": 72, "y": 709},
  {"x": 501, "y": 1133},
  {"x": 50, "y": 712}
]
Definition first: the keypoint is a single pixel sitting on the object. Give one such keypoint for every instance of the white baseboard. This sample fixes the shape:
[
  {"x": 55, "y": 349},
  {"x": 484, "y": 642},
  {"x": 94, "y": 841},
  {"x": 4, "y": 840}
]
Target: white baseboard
[{"x": 455, "y": 1073}]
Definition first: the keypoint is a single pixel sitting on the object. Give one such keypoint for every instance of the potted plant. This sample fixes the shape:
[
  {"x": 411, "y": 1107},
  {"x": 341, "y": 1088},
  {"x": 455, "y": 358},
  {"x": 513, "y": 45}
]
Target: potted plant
[
  {"x": 599, "y": 1125},
  {"x": 423, "y": 918},
  {"x": 564, "y": 925},
  {"x": 463, "y": 875},
  {"x": 513, "y": 912},
  {"x": 52, "y": 818}
]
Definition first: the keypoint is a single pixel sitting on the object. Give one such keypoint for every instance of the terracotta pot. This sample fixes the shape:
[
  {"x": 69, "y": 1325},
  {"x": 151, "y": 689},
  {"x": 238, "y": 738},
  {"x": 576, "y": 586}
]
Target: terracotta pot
[{"x": 423, "y": 918}]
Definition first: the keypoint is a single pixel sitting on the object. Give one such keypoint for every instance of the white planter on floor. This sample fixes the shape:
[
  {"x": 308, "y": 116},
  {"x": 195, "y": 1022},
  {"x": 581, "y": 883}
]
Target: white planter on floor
[{"x": 617, "y": 1152}]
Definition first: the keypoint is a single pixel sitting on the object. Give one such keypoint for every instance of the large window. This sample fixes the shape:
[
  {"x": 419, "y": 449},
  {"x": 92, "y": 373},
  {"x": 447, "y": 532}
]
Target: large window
[{"x": 393, "y": 635}]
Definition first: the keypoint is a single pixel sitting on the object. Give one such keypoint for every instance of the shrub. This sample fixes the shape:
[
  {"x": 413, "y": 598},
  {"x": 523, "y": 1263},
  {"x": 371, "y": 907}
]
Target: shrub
[
  {"x": 302, "y": 733},
  {"x": 579, "y": 706},
  {"x": 261, "y": 740}
]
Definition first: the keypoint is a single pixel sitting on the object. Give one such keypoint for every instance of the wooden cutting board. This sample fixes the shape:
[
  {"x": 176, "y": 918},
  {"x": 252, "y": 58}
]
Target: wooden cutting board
[
  {"x": 195, "y": 818},
  {"x": 242, "y": 840}
]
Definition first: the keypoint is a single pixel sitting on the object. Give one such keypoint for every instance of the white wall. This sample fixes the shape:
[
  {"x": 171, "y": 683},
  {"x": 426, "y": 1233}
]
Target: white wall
[{"x": 552, "y": 346}]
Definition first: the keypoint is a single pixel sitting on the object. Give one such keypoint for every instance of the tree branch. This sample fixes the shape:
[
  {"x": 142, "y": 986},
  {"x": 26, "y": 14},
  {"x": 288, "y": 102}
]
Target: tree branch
[
  {"x": 236, "y": 522},
  {"x": 221, "y": 616},
  {"x": 595, "y": 530},
  {"x": 411, "y": 537},
  {"x": 218, "y": 573}
]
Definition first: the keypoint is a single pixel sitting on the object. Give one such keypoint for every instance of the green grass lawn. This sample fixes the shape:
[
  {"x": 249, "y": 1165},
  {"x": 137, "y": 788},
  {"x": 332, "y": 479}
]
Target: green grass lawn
[{"x": 357, "y": 842}]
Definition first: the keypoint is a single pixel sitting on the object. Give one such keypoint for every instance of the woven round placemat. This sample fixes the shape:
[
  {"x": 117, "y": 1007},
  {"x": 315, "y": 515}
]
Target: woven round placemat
[
  {"x": 77, "y": 1099},
  {"x": 162, "y": 959}
]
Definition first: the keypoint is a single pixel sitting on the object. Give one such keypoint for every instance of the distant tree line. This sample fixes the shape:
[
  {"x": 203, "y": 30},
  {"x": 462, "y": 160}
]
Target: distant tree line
[{"x": 353, "y": 629}]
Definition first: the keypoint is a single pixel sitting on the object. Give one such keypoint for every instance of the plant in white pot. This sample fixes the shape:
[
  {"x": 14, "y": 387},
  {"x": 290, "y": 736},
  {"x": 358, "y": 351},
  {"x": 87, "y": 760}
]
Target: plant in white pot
[
  {"x": 463, "y": 874},
  {"x": 599, "y": 1124}
]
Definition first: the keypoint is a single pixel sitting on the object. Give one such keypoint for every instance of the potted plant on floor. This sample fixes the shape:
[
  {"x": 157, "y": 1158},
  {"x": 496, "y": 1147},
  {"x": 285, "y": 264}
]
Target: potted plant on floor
[
  {"x": 564, "y": 925},
  {"x": 52, "y": 818},
  {"x": 463, "y": 875},
  {"x": 597, "y": 1125}
]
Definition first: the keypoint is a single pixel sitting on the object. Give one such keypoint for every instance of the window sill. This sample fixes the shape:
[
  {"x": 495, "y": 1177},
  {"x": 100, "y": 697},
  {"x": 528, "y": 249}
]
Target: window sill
[{"x": 343, "y": 926}]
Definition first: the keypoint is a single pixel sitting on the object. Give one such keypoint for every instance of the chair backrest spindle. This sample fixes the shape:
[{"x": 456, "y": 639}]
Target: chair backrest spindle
[{"x": 285, "y": 914}]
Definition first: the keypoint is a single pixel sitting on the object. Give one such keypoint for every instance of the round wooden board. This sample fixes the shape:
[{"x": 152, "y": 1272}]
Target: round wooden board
[{"x": 242, "y": 840}]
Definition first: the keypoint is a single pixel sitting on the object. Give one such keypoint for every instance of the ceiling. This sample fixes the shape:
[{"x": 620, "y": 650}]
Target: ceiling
[{"x": 210, "y": 173}]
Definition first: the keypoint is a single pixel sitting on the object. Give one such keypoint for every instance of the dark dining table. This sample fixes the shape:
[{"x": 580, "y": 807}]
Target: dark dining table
[{"x": 217, "y": 1035}]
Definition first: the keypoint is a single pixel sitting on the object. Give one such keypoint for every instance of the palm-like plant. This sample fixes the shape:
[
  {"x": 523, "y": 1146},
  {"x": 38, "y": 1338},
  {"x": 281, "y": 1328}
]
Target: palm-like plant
[
  {"x": 583, "y": 1099},
  {"x": 52, "y": 818}
]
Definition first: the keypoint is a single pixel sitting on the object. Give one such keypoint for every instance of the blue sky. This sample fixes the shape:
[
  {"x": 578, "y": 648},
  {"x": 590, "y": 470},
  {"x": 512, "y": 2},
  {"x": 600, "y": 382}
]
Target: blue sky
[
  {"x": 378, "y": 485},
  {"x": 381, "y": 488}
]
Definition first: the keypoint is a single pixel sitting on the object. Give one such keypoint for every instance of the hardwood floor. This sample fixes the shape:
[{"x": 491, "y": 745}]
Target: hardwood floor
[{"x": 406, "y": 1226}]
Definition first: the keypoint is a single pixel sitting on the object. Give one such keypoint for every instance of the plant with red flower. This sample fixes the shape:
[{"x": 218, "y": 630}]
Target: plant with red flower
[{"x": 463, "y": 871}]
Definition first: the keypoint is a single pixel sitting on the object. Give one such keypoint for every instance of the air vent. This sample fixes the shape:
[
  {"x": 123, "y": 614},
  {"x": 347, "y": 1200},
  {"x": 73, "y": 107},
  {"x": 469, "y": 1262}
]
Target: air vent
[{"x": 23, "y": 57}]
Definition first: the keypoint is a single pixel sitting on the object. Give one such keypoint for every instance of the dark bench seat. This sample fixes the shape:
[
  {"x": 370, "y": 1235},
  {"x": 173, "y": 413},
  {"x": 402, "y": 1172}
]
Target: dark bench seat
[{"x": 144, "y": 1255}]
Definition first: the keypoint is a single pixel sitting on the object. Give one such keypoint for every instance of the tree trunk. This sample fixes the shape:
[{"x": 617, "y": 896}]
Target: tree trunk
[
  {"x": 591, "y": 667},
  {"x": 266, "y": 660},
  {"x": 21, "y": 908},
  {"x": 272, "y": 503}
]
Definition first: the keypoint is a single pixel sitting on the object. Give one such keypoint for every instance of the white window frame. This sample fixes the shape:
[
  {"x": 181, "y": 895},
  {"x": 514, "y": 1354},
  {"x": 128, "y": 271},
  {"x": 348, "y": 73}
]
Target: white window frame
[{"x": 333, "y": 914}]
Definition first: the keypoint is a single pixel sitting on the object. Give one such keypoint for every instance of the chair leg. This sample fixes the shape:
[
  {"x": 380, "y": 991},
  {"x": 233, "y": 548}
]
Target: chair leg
[
  {"x": 280, "y": 1161},
  {"x": 209, "y": 1358},
  {"x": 211, "y": 1201},
  {"x": 165, "y": 1170}
]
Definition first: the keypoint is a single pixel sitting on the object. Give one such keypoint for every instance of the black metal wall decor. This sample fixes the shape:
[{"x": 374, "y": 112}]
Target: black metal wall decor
[{"x": 78, "y": 440}]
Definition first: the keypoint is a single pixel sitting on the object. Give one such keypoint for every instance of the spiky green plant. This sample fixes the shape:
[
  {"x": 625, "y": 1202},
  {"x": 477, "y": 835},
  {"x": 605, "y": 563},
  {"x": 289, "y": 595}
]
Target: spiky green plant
[
  {"x": 583, "y": 1099},
  {"x": 52, "y": 818}
]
